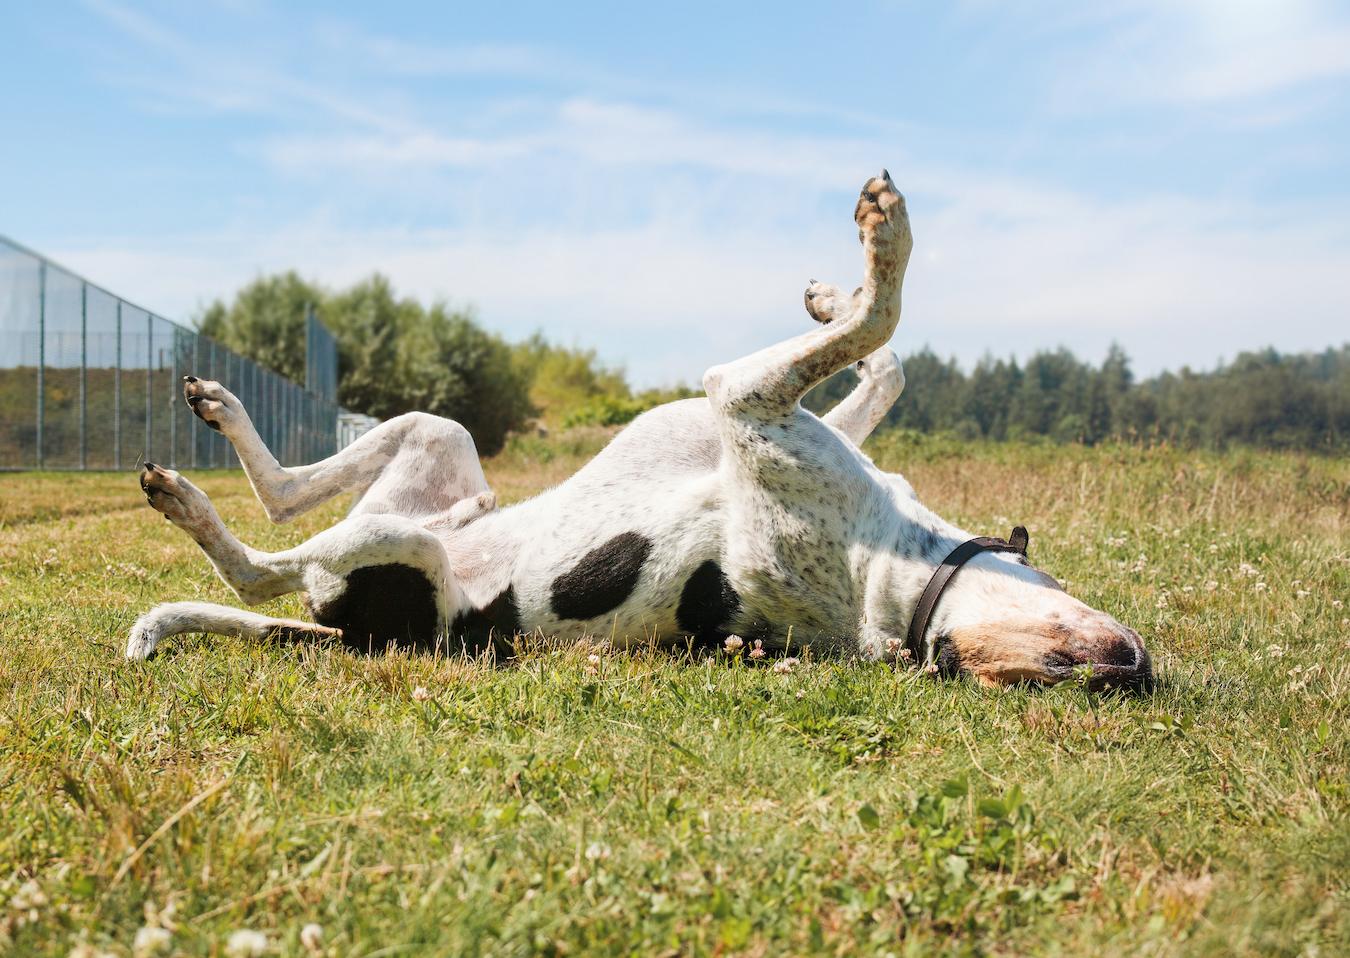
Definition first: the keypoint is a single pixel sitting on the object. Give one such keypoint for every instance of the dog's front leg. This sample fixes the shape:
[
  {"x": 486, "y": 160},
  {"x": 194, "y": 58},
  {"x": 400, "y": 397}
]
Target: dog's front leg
[
  {"x": 881, "y": 378},
  {"x": 770, "y": 383}
]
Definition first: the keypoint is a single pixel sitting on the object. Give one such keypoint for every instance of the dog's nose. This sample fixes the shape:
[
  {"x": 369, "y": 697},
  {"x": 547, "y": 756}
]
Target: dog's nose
[
  {"x": 1114, "y": 658},
  {"x": 1120, "y": 660}
]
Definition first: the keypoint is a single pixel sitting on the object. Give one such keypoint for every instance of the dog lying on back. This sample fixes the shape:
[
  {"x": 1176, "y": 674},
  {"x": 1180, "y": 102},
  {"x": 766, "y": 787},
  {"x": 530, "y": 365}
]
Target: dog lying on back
[{"x": 741, "y": 513}]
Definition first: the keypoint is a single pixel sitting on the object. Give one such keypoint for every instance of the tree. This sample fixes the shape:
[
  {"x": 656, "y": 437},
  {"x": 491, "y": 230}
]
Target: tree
[
  {"x": 266, "y": 322},
  {"x": 564, "y": 380},
  {"x": 394, "y": 355}
]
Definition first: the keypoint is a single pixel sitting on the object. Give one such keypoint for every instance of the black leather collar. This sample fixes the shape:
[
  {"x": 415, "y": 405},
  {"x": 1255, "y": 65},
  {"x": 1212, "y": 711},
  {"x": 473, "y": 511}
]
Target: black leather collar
[{"x": 942, "y": 577}]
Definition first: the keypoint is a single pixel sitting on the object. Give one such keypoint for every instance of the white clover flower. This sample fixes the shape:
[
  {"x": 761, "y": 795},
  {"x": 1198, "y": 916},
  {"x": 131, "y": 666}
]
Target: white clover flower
[
  {"x": 1211, "y": 585},
  {"x": 1337, "y": 604},
  {"x": 246, "y": 943},
  {"x": 311, "y": 936},
  {"x": 733, "y": 643},
  {"x": 758, "y": 651},
  {"x": 783, "y": 666},
  {"x": 593, "y": 659},
  {"x": 1260, "y": 587},
  {"x": 1303, "y": 593},
  {"x": 30, "y": 895},
  {"x": 1275, "y": 651},
  {"x": 86, "y": 950},
  {"x": 596, "y": 852},
  {"x": 893, "y": 645},
  {"x": 421, "y": 694},
  {"x": 151, "y": 941}
]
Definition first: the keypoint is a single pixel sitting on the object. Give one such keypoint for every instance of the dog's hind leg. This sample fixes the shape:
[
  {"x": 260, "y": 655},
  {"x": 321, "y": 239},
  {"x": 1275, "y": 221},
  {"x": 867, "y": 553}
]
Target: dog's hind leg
[
  {"x": 881, "y": 379},
  {"x": 378, "y": 578},
  {"x": 180, "y": 618},
  {"x": 412, "y": 465},
  {"x": 768, "y": 384}
]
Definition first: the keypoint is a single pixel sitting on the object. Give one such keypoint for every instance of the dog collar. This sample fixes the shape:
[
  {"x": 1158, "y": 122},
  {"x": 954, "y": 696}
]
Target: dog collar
[{"x": 942, "y": 577}]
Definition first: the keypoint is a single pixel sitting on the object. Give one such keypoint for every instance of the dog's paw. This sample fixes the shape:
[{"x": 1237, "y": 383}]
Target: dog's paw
[
  {"x": 883, "y": 369},
  {"x": 170, "y": 494},
  {"x": 826, "y": 303},
  {"x": 212, "y": 403},
  {"x": 881, "y": 212},
  {"x": 143, "y": 638}
]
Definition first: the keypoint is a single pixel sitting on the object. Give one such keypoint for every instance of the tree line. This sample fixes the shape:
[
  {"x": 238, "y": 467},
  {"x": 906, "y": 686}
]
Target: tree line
[
  {"x": 1263, "y": 398},
  {"x": 396, "y": 355}
]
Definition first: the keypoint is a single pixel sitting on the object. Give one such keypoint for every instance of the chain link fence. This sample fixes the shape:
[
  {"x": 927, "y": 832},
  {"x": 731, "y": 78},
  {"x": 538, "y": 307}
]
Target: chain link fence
[{"x": 90, "y": 381}]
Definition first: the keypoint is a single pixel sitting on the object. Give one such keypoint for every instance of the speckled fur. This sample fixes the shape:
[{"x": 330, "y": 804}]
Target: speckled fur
[{"x": 815, "y": 545}]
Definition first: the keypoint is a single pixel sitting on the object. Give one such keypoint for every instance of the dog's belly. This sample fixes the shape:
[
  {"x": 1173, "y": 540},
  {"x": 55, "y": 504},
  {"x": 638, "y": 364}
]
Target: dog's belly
[
  {"x": 658, "y": 539},
  {"x": 661, "y": 566},
  {"x": 633, "y": 562}
]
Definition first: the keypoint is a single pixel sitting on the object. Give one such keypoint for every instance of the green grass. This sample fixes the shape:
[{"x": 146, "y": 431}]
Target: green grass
[{"x": 662, "y": 805}]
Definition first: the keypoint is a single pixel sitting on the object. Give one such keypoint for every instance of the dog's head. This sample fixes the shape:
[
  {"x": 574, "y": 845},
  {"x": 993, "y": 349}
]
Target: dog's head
[{"x": 1002, "y": 621}]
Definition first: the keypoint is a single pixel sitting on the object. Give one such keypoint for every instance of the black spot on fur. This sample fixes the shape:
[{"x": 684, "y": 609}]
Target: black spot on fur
[
  {"x": 707, "y": 605},
  {"x": 383, "y": 604},
  {"x": 602, "y": 580},
  {"x": 495, "y": 624}
]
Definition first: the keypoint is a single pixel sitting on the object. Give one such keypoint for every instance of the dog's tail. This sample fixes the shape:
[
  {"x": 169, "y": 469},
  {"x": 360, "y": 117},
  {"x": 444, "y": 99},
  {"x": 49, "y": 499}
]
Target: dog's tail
[{"x": 178, "y": 618}]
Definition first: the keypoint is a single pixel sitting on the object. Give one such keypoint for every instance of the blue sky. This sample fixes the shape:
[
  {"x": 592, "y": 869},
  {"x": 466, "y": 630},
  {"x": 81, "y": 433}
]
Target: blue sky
[{"x": 659, "y": 181}]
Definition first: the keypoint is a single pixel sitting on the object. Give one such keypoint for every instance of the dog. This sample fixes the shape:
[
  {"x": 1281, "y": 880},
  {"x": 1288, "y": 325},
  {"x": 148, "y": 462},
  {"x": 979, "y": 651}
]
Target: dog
[{"x": 738, "y": 514}]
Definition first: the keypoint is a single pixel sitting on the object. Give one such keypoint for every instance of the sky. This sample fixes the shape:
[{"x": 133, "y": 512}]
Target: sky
[{"x": 660, "y": 181}]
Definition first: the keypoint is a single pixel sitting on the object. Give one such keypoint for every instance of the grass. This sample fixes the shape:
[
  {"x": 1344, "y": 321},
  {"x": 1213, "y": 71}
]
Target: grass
[{"x": 657, "y": 805}]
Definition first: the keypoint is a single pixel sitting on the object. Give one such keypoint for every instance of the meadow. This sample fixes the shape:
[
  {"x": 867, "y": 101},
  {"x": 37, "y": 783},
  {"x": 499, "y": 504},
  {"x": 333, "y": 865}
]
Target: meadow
[{"x": 574, "y": 800}]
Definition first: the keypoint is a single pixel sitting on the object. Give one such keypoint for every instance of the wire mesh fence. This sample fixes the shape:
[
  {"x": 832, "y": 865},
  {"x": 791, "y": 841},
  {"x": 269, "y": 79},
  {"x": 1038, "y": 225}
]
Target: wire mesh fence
[{"x": 90, "y": 381}]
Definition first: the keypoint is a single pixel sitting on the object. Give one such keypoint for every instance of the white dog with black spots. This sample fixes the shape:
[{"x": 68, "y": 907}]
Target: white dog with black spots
[{"x": 741, "y": 513}]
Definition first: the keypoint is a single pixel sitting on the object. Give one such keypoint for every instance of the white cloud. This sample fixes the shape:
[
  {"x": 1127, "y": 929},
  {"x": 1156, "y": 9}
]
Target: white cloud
[
  {"x": 670, "y": 242},
  {"x": 1189, "y": 53}
]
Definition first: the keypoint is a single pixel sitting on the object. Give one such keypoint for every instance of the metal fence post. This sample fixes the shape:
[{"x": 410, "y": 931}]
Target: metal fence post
[
  {"x": 149, "y": 379},
  {"x": 117, "y": 395},
  {"x": 196, "y": 365},
  {"x": 84, "y": 375},
  {"x": 42, "y": 358},
  {"x": 173, "y": 412}
]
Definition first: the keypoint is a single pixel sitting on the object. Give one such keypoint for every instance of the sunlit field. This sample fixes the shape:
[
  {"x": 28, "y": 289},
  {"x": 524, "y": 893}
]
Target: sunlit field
[{"x": 577, "y": 800}]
